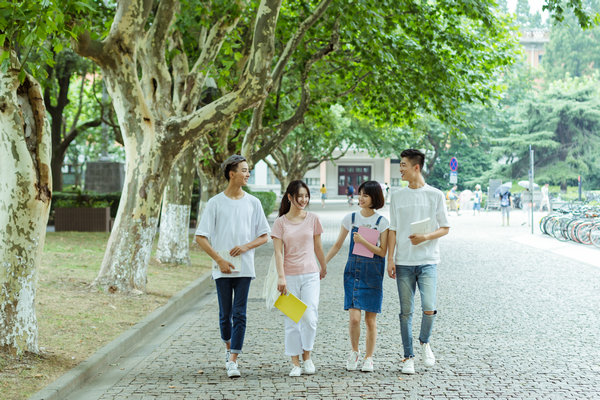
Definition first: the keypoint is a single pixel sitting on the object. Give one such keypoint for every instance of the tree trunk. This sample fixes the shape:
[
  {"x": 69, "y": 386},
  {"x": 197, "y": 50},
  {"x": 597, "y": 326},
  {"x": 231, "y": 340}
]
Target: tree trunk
[
  {"x": 173, "y": 242},
  {"x": 125, "y": 263},
  {"x": 57, "y": 177},
  {"x": 25, "y": 192},
  {"x": 139, "y": 81}
]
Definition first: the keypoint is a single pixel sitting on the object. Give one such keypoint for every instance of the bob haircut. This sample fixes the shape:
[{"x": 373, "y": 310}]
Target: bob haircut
[{"x": 373, "y": 190}]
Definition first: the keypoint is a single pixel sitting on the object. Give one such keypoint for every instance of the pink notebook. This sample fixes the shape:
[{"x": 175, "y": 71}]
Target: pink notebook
[{"x": 371, "y": 236}]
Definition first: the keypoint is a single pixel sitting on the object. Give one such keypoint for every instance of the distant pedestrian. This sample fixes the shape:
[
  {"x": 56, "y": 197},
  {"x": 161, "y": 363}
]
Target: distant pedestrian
[
  {"x": 350, "y": 194},
  {"x": 505, "y": 205},
  {"x": 232, "y": 226},
  {"x": 387, "y": 192},
  {"x": 297, "y": 240},
  {"x": 545, "y": 203},
  {"x": 452, "y": 197},
  {"x": 477, "y": 197},
  {"x": 363, "y": 276},
  {"x": 323, "y": 191},
  {"x": 413, "y": 257}
]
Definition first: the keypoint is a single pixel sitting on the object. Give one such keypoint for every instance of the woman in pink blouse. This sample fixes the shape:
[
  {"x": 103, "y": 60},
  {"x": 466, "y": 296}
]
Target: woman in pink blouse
[{"x": 297, "y": 239}]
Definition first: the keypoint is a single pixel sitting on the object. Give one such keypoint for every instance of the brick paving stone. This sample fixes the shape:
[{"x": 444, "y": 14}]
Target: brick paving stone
[{"x": 514, "y": 322}]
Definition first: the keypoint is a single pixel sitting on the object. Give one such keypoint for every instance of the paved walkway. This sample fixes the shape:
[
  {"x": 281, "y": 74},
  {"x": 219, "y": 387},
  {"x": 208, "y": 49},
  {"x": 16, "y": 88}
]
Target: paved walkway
[{"x": 515, "y": 322}]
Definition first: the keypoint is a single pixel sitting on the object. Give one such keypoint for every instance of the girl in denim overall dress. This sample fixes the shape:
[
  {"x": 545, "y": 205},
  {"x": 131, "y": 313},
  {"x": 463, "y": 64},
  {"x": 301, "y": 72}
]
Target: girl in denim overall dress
[{"x": 363, "y": 276}]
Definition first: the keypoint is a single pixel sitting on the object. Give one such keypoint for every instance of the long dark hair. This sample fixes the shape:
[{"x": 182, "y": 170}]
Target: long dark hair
[{"x": 293, "y": 190}]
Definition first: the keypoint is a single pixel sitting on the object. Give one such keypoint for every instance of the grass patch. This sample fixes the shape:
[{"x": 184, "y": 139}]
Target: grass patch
[{"x": 74, "y": 320}]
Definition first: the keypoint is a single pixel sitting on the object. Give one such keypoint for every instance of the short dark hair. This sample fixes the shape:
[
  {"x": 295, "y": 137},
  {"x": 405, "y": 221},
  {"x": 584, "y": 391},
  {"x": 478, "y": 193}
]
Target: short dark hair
[
  {"x": 373, "y": 190},
  {"x": 415, "y": 156},
  {"x": 231, "y": 164}
]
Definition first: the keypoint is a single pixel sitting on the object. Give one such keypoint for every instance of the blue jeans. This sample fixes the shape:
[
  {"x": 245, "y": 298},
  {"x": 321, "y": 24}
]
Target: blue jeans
[
  {"x": 407, "y": 277},
  {"x": 233, "y": 299}
]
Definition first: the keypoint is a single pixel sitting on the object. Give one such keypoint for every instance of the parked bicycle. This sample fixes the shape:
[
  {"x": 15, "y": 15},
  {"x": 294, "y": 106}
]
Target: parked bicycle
[{"x": 575, "y": 222}]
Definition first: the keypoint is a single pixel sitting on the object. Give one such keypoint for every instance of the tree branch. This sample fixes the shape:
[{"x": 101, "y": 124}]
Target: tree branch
[
  {"x": 155, "y": 72},
  {"x": 284, "y": 128},
  {"x": 295, "y": 40},
  {"x": 345, "y": 92},
  {"x": 80, "y": 105},
  {"x": 254, "y": 85}
]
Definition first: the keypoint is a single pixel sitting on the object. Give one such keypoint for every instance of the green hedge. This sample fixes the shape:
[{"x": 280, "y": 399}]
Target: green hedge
[
  {"x": 86, "y": 199},
  {"x": 99, "y": 200},
  {"x": 268, "y": 200}
]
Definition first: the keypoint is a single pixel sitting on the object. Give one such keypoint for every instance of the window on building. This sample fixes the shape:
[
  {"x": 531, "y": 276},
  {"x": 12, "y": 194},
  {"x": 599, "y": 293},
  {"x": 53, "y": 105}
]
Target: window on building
[
  {"x": 540, "y": 58},
  {"x": 312, "y": 181},
  {"x": 396, "y": 181}
]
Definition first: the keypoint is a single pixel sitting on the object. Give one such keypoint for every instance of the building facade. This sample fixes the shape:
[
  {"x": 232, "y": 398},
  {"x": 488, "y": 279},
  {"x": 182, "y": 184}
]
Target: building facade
[{"x": 353, "y": 169}]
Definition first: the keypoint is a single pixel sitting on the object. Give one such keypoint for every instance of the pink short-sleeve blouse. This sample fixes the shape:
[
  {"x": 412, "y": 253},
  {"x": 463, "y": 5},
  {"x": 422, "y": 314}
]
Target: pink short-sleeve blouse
[{"x": 298, "y": 243}]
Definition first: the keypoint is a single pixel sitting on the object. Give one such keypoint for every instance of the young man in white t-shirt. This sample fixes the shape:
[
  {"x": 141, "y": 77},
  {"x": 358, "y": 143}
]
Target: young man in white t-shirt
[
  {"x": 233, "y": 224},
  {"x": 413, "y": 258}
]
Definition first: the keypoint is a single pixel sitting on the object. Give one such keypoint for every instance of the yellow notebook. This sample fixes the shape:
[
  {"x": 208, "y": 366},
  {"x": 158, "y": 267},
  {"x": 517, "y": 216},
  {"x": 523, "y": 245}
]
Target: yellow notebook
[{"x": 291, "y": 306}]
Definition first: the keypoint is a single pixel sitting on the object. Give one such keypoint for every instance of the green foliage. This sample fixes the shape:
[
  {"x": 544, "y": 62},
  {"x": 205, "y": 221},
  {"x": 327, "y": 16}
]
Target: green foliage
[
  {"x": 268, "y": 200},
  {"x": 85, "y": 199},
  {"x": 35, "y": 29},
  {"x": 584, "y": 12},
  {"x": 572, "y": 51},
  {"x": 562, "y": 124}
]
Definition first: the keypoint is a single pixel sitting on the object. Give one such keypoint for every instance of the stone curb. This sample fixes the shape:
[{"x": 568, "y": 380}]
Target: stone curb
[{"x": 71, "y": 380}]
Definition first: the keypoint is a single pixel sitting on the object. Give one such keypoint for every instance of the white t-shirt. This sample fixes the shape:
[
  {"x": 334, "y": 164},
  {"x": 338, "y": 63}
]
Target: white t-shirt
[
  {"x": 411, "y": 205},
  {"x": 367, "y": 222},
  {"x": 228, "y": 223}
]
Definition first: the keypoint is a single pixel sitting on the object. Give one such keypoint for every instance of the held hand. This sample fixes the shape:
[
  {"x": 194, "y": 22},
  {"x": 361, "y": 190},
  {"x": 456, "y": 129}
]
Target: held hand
[
  {"x": 238, "y": 250},
  {"x": 416, "y": 239},
  {"x": 281, "y": 285},
  {"x": 391, "y": 270},
  {"x": 358, "y": 238},
  {"x": 323, "y": 272},
  {"x": 225, "y": 266}
]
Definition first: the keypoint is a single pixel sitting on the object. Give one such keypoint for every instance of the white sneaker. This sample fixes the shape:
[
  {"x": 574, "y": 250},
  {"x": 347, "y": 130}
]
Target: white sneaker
[
  {"x": 352, "y": 362},
  {"x": 367, "y": 365},
  {"x": 232, "y": 369},
  {"x": 308, "y": 367},
  {"x": 296, "y": 371},
  {"x": 428, "y": 357},
  {"x": 408, "y": 366}
]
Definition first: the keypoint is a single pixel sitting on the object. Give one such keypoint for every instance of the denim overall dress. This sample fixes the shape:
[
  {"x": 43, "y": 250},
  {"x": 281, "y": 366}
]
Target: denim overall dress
[{"x": 363, "y": 278}]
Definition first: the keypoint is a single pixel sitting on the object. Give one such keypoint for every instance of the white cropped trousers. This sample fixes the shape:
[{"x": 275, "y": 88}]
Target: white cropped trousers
[{"x": 300, "y": 337}]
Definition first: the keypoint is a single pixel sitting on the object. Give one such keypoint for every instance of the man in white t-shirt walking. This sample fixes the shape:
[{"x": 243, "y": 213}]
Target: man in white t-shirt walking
[
  {"x": 413, "y": 257},
  {"x": 232, "y": 226}
]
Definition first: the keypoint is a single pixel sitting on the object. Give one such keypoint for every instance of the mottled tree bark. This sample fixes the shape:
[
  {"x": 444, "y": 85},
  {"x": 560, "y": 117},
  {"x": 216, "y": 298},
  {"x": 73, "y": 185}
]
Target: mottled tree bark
[
  {"x": 25, "y": 192},
  {"x": 157, "y": 116},
  {"x": 173, "y": 240}
]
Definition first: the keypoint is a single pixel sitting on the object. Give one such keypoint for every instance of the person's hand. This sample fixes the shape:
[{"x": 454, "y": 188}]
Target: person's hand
[
  {"x": 323, "y": 272},
  {"x": 358, "y": 238},
  {"x": 281, "y": 285},
  {"x": 391, "y": 269},
  {"x": 225, "y": 266},
  {"x": 416, "y": 239},
  {"x": 238, "y": 250}
]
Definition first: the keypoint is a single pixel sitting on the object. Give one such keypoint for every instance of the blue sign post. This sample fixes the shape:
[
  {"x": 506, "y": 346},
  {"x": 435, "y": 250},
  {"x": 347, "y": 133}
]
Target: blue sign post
[
  {"x": 453, "y": 164},
  {"x": 453, "y": 172}
]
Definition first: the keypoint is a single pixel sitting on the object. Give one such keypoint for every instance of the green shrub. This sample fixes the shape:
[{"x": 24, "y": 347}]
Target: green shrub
[
  {"x": 268, "y": 200},
  {"x": 86, "y": 199}
]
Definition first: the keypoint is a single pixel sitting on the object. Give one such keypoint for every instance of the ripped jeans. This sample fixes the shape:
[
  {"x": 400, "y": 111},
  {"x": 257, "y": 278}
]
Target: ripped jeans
[{"x": 407, "y": 278}]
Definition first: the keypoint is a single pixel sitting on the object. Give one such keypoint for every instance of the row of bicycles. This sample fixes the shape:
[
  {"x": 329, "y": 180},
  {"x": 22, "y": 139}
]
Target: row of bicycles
[{"x": 576, "y": 222}]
